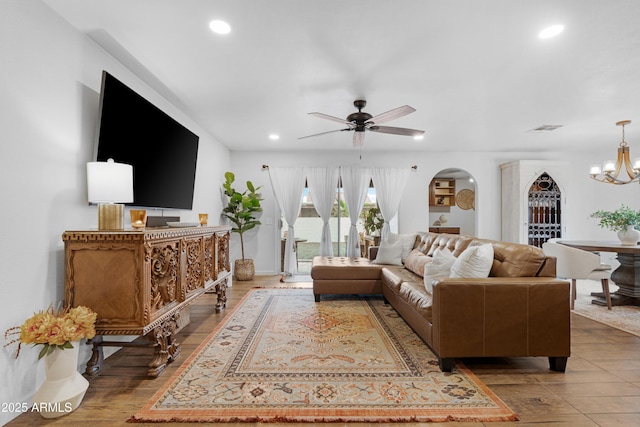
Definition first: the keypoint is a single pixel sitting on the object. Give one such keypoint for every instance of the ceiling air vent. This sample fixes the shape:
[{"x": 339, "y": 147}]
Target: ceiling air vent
[{"x": 545, "y": 128}]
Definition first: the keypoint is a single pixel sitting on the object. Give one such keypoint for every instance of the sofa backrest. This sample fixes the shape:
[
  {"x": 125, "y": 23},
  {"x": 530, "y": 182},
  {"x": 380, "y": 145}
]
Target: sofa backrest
[
  {"x": 428, "y": 242},
  {"x": 518, "y": 260},
  {"x": 509, "y": 259}
]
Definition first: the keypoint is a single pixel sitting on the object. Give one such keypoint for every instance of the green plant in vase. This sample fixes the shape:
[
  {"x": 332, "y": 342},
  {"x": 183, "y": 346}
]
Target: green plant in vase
[
  {"x": 623, "y": 221},
  {"x": 242, "y": 209}
]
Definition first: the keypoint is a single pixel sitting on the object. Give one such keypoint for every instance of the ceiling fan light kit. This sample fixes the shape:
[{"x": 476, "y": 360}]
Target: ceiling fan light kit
[
  {"x": 360, "y": 122},
  {"x": 610, "y": 171}
]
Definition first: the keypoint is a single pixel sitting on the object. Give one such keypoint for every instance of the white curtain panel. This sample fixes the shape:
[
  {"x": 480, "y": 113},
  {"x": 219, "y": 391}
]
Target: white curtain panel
[
  {"x": 389, "y": 184},
  {"x": 323, "y": 183},
  {"x": 288, "y": 184},
  {"x": 355, "y": 182}
]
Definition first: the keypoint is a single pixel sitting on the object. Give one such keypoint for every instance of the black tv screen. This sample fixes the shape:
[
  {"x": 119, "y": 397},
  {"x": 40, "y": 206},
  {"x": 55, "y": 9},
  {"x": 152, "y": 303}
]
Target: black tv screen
[{"x": 163, "y": 153}]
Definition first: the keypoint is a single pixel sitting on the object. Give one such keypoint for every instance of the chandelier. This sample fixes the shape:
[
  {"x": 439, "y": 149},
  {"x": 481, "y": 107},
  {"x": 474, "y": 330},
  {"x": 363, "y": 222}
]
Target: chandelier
[{"x": 610, "y": 169}]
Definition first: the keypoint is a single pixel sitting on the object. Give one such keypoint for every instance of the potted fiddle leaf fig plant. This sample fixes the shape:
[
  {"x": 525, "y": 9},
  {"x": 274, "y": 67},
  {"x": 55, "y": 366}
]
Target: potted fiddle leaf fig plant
[
  {"x": 373, "y": 221},
  {"x": 241, "y": 210},
  {"x": 623, "y": 220}
]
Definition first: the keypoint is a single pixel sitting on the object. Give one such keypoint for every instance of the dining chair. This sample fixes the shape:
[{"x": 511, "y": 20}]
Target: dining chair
[
  {"x": 576, "y": 264},
  {"x": 363, "y": 245}
]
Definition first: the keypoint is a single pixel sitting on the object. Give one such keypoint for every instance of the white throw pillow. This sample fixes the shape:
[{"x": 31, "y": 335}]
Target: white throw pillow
[
  {"x": 439, "y": 268},
  {"x": 408, "y": 241},
  {"x": 474, "y": 262},
  {"x": 389, "y": 252}
]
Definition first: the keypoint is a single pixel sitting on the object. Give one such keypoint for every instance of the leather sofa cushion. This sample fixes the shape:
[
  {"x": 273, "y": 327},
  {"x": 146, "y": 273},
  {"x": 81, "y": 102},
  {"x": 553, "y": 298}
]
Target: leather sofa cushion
[
  {"x": 514, "y": 260},
  {"x": 344, "y": 268},
  {"x": 414, "y": 294},
  {"x": 394, "y": 276},
  {"x": 409, "y": 287},
  {"x": 429, "y": 242},
  {"x": 416, "y": 261}
]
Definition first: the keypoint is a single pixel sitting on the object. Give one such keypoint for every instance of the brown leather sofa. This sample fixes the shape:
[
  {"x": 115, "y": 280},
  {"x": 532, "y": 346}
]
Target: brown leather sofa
[{"x": 520, "y": 310}]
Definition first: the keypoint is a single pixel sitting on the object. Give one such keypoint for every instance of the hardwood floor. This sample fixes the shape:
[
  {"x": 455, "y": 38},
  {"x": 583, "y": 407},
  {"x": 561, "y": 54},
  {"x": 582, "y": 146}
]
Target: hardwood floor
[{"x": 600, "y": 388}]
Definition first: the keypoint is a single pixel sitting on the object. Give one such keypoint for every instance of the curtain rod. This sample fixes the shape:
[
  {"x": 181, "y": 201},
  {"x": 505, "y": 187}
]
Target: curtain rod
[{"x": 266, "y": 167}]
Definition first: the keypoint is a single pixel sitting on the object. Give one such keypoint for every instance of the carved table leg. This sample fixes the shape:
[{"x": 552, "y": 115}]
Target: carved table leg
[
  {"x": 221, "y": 290},
  {"x": 167, "y": 349},
  {"x": 97, "y": 356},
  {"x": 627, "y": 277}
]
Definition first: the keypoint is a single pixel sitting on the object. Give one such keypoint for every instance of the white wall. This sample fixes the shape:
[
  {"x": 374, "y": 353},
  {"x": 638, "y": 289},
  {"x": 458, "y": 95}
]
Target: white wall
[{"x": 49, "y": 91}]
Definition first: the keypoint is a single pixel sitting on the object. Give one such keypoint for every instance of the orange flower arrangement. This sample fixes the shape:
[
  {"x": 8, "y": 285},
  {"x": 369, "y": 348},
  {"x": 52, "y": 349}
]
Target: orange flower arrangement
[{"x": 56, "y": 329}]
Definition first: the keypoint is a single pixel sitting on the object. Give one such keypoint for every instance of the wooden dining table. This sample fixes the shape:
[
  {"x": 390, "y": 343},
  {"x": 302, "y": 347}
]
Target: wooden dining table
[{"x": 626, "y": 276}]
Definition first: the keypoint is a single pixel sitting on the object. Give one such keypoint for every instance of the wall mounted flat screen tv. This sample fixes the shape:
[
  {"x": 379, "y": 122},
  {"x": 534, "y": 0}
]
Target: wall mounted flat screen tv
[{"x": 162, "y": 151}]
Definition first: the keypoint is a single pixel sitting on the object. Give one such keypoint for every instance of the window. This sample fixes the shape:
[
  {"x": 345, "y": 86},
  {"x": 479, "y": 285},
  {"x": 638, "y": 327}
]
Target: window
[{"x": 309, "y": 227}]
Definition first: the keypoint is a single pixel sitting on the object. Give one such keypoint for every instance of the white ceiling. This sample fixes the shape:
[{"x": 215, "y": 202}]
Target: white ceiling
[{"x": 475, "y": 70}]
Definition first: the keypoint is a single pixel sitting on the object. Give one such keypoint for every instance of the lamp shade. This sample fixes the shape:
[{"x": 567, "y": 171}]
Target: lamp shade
[
  {"x": 109, "y": 182},
  {"x": 609, "y": 166}
]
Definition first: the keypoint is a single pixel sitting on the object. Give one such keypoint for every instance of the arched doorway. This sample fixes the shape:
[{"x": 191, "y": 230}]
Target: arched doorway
[{"x": 452, "y": 202}]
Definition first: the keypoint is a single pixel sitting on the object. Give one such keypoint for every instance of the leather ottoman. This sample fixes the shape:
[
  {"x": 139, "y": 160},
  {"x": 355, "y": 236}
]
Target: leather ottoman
[{"x": 345, "y": 275}]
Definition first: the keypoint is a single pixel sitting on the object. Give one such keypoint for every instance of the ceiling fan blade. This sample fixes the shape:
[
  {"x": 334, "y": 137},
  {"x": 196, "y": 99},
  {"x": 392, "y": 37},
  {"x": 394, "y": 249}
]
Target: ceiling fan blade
[
  {"x": 332, "y": 118},
  {"x": 391, "y": 114},
  {"x": 358, "y": 138},
  {"x": 322, "y": 133},
  {"x": 396, "y": 131}
]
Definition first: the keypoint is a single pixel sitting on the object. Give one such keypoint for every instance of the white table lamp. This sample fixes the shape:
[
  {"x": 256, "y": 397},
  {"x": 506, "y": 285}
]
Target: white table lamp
[{"x": 108, "y": 185}]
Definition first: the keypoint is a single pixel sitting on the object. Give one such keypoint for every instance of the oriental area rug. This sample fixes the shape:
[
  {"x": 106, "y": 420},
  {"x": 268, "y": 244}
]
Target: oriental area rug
[{"x": 281, "y": 357}]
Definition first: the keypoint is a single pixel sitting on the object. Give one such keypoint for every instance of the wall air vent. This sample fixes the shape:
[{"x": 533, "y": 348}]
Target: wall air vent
[{"x": 545, "y": 128}]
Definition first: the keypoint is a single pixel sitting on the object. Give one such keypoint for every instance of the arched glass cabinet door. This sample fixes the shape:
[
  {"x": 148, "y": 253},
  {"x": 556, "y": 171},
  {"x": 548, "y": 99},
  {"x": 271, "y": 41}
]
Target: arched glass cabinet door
[{"x": 544, "y": 211}]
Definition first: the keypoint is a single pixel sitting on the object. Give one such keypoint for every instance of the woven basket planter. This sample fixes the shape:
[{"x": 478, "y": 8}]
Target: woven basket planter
[{"x": 244, "y": 270}]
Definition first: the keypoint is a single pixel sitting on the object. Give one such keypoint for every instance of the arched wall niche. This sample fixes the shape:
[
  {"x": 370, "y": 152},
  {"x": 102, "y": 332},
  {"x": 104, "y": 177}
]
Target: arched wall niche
[{"x": 452, "y": 201}]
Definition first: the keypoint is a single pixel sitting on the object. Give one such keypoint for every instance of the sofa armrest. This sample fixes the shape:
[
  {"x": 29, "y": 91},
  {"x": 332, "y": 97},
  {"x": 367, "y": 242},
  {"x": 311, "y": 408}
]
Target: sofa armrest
[{"x": 501, "y": 317}]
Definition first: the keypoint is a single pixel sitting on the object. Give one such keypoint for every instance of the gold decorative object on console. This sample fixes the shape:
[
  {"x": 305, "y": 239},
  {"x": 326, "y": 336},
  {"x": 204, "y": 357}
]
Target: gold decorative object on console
[
  {"x": 610, "y": 169},
  {"x": 204, "y": 218},
  {"x": 138, "y": 218},
  {"x": 108, "y": 184},
  {"x": 110, "y": 216}
]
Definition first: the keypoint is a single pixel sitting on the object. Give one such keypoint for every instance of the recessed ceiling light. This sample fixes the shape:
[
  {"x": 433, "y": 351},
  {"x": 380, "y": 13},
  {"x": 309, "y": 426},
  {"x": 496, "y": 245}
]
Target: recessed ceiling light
[
  {"x": 274, "y": 137},
  {"x": 551, "y": 31},
  {"x": 418, "y": 137},
  {"x": 220, "y": 27}
]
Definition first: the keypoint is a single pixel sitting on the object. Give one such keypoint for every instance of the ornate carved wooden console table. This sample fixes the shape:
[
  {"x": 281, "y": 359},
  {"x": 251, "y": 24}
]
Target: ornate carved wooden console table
[{"x": 142, "y": 283}]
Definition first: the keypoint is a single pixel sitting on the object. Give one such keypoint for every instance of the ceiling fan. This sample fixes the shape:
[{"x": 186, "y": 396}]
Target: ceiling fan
[{"x": 360, "y": 122}]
